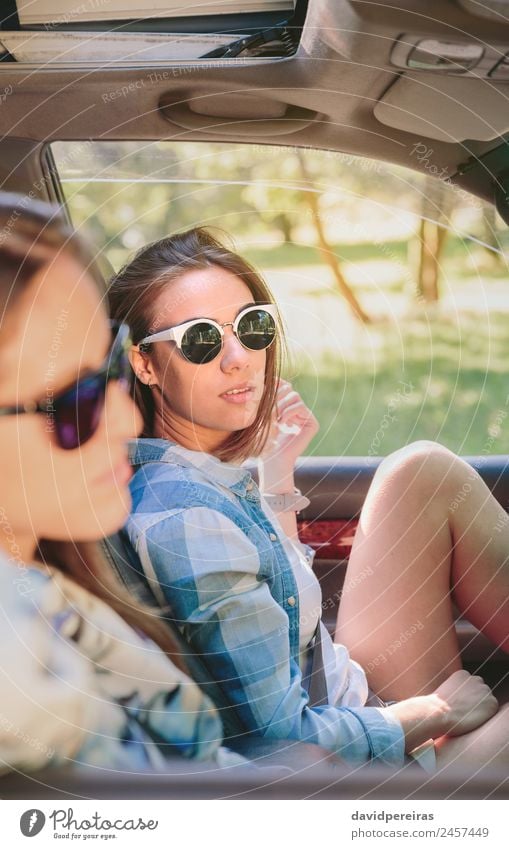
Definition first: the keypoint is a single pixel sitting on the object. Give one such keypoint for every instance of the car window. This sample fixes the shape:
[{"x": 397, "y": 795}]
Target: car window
[{"x": 392, "y": 282}]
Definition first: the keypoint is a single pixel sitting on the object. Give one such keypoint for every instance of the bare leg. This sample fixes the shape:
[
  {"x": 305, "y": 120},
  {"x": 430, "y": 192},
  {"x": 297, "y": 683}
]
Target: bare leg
[
  {"x": 430, "y": 532},
  {"x": 487, "y": 746}
]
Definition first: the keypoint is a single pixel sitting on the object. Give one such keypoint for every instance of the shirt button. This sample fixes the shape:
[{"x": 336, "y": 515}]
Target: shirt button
[
  {"x": 291, "y": 601},
  {"x": 273, "y": 537}
]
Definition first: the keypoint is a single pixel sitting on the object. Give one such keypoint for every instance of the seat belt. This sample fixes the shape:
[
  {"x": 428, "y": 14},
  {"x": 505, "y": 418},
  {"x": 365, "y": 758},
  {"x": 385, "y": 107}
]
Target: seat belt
[{"x": 315, "y": 681}]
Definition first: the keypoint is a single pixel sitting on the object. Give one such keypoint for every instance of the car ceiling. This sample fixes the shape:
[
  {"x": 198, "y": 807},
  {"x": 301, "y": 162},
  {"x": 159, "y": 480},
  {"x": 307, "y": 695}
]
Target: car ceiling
[{"x": 341, "y": 90}]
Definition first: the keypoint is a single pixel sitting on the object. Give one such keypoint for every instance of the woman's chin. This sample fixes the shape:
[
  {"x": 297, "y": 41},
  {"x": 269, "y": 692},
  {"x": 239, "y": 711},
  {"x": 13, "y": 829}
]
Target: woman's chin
[
  {"x": 108, "y": 517},
  {"x": 241, "y": 419}
]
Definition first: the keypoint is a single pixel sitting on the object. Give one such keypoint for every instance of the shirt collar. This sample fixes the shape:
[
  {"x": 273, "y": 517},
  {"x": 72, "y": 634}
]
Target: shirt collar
[{"x": 151, "y": 450}]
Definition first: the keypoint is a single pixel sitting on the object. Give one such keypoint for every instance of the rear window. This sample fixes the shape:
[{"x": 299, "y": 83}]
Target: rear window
[{"x": 392, "y": 285}]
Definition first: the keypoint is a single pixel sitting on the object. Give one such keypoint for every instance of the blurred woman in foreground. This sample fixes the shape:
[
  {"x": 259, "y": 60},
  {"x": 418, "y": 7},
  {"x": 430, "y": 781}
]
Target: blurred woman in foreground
[{"x": 86, "y": 674}]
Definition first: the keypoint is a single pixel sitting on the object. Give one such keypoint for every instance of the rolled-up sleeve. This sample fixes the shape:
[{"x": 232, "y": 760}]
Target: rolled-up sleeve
[{"x": 209, "y": 572}]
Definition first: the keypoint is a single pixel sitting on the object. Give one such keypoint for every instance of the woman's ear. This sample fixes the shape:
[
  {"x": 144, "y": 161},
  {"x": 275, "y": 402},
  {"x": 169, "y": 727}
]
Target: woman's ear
[{"x": 142, "y": 366}]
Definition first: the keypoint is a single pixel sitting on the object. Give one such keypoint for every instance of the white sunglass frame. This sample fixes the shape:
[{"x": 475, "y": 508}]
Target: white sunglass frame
[{"x": 176, "y": 334}]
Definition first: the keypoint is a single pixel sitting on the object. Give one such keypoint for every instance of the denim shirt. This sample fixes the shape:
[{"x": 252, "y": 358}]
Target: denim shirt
[{"x": 211, "y": 554}]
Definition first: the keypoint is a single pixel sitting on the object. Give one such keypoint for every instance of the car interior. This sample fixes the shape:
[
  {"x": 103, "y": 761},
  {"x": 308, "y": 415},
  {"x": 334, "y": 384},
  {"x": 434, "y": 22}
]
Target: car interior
[{"x": 368, "y": 78}]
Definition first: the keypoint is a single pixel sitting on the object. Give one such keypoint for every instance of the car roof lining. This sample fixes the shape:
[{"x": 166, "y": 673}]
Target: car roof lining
[{"x": 340, "y": 72}]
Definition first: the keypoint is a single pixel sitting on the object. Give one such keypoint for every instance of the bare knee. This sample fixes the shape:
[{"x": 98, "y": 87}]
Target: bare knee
[
  {"x": 423, "y": 466},
  {"x": 416, "y": 455}
]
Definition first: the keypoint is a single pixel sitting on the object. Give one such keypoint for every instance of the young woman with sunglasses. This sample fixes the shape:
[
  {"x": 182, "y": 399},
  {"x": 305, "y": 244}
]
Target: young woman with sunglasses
[
  {"x": 224, "y": 554},
  {"x": 86, "y": 672}
]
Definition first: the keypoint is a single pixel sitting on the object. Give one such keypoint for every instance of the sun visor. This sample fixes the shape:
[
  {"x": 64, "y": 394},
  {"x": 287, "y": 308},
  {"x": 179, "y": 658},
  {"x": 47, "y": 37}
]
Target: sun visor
[{"x": 445, "y": 108}]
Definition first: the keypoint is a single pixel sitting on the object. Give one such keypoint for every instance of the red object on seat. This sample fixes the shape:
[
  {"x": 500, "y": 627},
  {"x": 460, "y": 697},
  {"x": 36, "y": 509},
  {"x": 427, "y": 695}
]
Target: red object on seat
[{"x": 332, "y": 540}]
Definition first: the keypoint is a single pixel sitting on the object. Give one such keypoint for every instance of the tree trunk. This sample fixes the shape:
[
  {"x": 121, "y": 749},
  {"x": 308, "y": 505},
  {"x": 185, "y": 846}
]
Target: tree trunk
[
  {"x": 284, "y": 224},
  {"x": 324, "y": 248},
  {"x": 436, "y": 205},
  {"x": 490, "y": 236}
]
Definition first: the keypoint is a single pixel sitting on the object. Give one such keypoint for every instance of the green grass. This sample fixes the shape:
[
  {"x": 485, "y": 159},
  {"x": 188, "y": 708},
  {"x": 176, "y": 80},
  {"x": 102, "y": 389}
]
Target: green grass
[
  {"x": 296, "y": 254},
  {"x": 289, "y": 254},
  {"x": 442, "y": 376},
  {"x": 448, "y": 382}
]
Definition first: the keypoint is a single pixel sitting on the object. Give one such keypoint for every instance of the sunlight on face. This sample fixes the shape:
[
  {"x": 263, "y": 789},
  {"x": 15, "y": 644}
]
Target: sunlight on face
[
  {"x": 221, "y": 396},
  {"x": 58, "y": 331}
]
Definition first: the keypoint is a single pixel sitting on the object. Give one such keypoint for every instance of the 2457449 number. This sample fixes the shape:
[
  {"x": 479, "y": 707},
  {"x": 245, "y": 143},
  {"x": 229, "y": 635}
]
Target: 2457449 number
[{"x": 462, "y": 832}]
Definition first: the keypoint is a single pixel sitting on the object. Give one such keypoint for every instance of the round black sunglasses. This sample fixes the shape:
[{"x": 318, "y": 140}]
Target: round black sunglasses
[
  {"x": 201, "y": 339},
  {"x": 74, "y": 414}
]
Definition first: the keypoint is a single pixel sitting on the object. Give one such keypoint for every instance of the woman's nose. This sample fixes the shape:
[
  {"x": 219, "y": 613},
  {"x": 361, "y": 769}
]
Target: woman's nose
[{"x": 233, "y": 355}]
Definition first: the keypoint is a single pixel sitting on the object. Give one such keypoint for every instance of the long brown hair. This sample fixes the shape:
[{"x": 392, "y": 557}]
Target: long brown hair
[
  {"x": 31, "y": 234},
  {"x": 133, "y": 294}
]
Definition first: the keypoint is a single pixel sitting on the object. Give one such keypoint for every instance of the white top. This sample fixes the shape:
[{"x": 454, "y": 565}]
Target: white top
[{"x": 346, "y": 679}]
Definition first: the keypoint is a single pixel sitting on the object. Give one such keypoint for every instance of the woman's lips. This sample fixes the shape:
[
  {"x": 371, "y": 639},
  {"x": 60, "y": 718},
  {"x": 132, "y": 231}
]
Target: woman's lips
[{"x": 238, "y": 395}]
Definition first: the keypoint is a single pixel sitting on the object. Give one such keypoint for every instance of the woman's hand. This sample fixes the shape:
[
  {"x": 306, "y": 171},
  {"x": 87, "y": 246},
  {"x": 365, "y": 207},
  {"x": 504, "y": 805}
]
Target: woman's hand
[
  {"x": 463, "y": 702},
  {"x": 469, "y": 700},
  {"x": 293, "y": 428}
]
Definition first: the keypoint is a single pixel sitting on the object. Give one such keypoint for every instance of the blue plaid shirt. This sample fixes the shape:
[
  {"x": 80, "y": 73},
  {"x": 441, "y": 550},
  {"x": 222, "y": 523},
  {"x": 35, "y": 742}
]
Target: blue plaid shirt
[{"x": 210, "y": 552}]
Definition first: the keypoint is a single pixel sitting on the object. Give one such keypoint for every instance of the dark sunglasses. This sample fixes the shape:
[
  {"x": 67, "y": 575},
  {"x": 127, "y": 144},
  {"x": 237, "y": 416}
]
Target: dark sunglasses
[
  {"x": 201, "y": 339},
  {"x": 74, "y": 414}
]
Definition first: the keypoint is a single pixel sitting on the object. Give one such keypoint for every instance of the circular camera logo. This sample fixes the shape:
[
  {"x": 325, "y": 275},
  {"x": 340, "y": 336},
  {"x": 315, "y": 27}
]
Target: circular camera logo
[{"x": 32, "y": 822}]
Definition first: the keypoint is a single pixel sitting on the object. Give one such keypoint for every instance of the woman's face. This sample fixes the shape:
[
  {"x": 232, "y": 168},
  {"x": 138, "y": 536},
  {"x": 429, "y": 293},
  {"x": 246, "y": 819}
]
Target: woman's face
[
  {"x": 201, "y": 394},
  {"x": 55, "y": 333}
]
